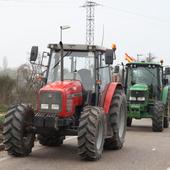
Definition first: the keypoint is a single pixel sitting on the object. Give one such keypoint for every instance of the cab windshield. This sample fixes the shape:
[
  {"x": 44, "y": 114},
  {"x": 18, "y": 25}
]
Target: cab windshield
[
  {"x": 77, "y": 66},
  {"x": 143, "y": 75}
]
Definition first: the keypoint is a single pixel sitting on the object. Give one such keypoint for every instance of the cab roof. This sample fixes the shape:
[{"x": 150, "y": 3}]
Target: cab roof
[
  {"x": 77, "y": 47},
  {"x": 143, "y": 63}
]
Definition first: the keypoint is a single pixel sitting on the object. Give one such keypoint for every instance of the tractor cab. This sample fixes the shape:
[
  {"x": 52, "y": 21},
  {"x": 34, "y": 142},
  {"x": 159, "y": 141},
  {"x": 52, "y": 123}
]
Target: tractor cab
[
  {"x": 77, "y": 63},
  {"x": 143, "y": 81}
]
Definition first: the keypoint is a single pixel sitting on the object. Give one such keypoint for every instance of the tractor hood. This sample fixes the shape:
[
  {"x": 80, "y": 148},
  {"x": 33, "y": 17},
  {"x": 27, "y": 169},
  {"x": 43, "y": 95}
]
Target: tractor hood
[
  {"x": 60, "y": 97},
  {"x": 67, "y": 86},
  {"x": 139, "y": 87}
]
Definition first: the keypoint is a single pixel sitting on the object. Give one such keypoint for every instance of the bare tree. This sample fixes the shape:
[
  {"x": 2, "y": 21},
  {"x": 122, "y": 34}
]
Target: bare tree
[
  {"x": 7, "y": 90},
  {"x": 28, "y": 83}
]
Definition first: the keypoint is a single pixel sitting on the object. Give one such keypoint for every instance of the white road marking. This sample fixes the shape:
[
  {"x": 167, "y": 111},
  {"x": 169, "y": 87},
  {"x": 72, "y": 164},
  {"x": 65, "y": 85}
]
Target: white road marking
[
  {"x": 8, "y": 157},
  {"x": 168, "y": 168}
]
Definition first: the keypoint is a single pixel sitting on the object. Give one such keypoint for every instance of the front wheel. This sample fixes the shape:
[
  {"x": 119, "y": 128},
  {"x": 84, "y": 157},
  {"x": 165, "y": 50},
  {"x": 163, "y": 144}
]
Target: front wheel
[
  {"x": 18, "y": 141},
  {"x": 91, "y": 133},
  {"x": 158, "y": 117}
]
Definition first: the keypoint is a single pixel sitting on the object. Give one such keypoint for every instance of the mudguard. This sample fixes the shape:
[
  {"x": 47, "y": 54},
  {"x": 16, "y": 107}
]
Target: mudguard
[
  {"x": 164, "y": 96},
  {"x": 108, "y": 94}
]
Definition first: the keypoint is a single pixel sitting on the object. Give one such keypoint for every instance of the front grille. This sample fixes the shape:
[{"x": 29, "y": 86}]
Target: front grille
[
  {"x": 50, "y": 98},
  {"x": 137, "y": 93},
  {"x": 136, "y": 102}
]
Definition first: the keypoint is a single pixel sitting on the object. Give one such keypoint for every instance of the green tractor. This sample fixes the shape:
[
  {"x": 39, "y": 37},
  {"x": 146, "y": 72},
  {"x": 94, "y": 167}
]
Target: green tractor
[{"x": 147, "y": 94}]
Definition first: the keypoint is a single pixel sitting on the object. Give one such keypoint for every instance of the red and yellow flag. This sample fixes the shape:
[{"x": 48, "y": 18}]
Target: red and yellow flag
[{"x": 129, "y": 58}]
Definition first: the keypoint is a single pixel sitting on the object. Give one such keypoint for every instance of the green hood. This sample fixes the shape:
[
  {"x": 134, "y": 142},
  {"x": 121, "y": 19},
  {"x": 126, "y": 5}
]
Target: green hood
[{"x": 139, "y": 87}]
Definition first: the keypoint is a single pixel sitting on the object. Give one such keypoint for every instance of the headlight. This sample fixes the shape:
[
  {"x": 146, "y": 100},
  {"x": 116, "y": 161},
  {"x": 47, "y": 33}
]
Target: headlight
[
  {"x": 55, "y": 106},
  {"x": 44, "y": 106},
  {"x": 141, "y": 98},
  {"x": 132, "y": 98}
]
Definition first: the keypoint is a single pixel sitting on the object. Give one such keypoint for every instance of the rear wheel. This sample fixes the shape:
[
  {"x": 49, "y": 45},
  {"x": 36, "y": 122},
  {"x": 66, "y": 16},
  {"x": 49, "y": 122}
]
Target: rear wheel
[
  {"x": 18, "y": 141},
  {"x": 91, "y": 133},
  {"x": 118, "y": 121},
  {"x": 158, "y": 117},
  {"x": 51, "y": 140},
  {"x": 129, "y": 121}
]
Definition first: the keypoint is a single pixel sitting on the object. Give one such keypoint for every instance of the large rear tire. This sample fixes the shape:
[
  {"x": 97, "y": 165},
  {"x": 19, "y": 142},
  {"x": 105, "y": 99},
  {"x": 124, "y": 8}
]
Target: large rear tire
[
  {"x": 51, "y": 140},
  {"x": 18, "y": 142},
  {"x": 91, "y": 133},
  {"x": 158, "y": 117},
  {"x": 118, "y": 121}
]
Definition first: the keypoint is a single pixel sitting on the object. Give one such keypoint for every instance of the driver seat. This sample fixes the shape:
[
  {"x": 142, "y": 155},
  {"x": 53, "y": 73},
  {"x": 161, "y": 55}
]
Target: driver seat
[{"x": 86, "y": 79}]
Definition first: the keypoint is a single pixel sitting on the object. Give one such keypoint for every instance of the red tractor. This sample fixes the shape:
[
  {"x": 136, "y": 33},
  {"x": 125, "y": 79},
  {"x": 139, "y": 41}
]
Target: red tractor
[{"x": 78, "y": 99}]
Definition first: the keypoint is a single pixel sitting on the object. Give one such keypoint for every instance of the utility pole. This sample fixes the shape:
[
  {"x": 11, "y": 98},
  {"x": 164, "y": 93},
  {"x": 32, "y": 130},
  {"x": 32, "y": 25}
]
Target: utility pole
[{"x": 90, "y": 18}]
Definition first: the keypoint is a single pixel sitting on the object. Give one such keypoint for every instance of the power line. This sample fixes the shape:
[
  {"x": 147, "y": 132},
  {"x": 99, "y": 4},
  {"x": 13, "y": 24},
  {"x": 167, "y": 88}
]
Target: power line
[
  {"x": 138, "y": 14},
  {"x": 41, "y": 1}
]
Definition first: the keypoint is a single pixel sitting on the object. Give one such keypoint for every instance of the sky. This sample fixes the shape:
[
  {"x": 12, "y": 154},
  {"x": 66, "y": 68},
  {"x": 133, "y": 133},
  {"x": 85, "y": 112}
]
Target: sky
[{"x": 135, "y": 26}]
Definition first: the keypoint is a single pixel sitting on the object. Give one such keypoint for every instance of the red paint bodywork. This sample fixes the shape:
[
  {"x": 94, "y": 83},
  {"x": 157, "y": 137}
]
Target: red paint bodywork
[
  {"x": 70, "y": 90},
  {"x": 108, "y": 94}
]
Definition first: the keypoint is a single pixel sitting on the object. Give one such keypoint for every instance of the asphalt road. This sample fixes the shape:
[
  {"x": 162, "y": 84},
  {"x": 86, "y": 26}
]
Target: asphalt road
[{"x": 143, "y": 150}]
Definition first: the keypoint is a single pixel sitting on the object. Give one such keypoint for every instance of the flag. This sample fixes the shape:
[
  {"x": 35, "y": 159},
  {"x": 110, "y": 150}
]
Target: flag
[{"x": 129, "y": 58}]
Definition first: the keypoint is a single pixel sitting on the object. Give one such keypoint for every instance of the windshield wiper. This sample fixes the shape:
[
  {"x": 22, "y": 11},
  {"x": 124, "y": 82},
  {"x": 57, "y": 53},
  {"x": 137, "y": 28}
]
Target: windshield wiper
[
  {"x": 67, "y": 54},
  {"x": 150, "y": 72}
]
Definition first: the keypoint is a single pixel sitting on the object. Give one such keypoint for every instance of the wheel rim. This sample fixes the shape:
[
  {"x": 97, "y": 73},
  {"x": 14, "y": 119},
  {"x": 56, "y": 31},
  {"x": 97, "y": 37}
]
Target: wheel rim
[
  {"x": 99, "y": 135},
  {"x": 121, "y": 121}
]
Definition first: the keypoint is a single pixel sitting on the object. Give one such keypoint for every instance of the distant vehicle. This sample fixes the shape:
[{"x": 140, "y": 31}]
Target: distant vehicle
[{"x": 147, "y": 94}]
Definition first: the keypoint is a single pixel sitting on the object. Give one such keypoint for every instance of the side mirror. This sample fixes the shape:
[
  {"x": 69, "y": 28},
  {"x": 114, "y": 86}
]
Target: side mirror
[
  {"x": 165, "y": 81},
  {"x": 34, "y": 53},
  {"x": 109, "y": 56},
  {"x": 116, "y": 69}
]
